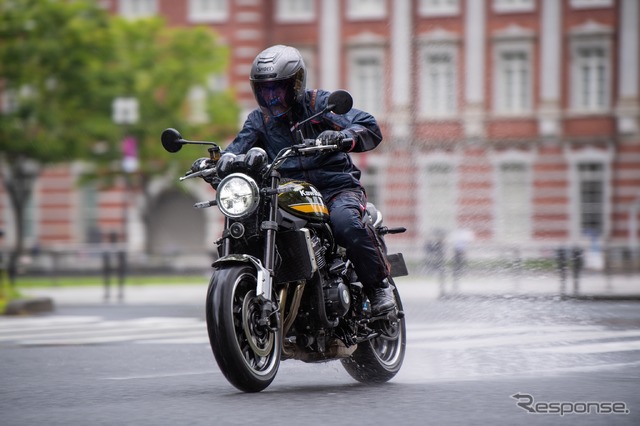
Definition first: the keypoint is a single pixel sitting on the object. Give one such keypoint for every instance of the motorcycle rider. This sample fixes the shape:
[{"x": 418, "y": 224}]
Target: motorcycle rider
[{"x": 278, "y": 81}]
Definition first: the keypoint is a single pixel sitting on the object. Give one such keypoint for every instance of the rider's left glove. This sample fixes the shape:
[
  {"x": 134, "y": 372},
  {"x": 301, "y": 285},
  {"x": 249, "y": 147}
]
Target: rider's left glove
[{"x": 333, "y": 137}]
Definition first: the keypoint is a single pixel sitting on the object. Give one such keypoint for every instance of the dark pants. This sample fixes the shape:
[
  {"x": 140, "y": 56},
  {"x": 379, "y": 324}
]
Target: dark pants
[{"x": 347, "y": 209}]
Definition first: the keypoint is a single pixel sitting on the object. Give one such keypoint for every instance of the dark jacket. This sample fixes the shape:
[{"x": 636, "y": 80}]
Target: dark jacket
[{"x": 330, "y": 173}]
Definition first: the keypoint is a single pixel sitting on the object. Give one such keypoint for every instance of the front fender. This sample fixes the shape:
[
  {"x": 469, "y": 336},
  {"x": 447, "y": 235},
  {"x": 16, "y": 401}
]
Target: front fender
[{"x": 264, "y": 277}]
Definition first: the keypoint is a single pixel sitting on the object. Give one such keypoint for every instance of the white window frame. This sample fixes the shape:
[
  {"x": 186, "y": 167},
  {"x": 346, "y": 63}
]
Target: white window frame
[
  {"x": 590, "y": 35},
  {"x": 525, "y": 94},
  {"x": 430, "y": 105},
  {"x": 197, "y": 100},
  {"x": 88, "y": 212},
  {"x": 373, "y": 100},
  {"x": 582, "y": 177},
  {"x": 377, "y": 181},
  {"x": 136, "y": 9},
  {"x": 514, "y": 6},
  {"x": 502, "y": 211},
  {"x": 289, "y": 11},
  {"x": 590, "y": 4},
  {"x": 589, "y": 155},
  {"x": 207, "y": 11},
  {"x": 308, "y": 56},
  {"x": 366, "y": 9},
  {"x": 591, "y": 104},
  {"x": 438, "y": 8},
  {"x": 426, "y": 199},
  {"x": 9, "y": 101}
]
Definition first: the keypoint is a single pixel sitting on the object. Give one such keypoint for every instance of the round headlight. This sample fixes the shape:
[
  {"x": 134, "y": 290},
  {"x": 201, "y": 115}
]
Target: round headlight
[{"x": 237, "y": 196}]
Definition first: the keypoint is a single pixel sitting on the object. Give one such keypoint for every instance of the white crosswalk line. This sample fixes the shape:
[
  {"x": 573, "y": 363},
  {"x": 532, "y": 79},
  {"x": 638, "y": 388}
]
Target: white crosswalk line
[
  {"x": 524, "y": 339},
  {"x": 595, "y": 348},
  {"x": 52, "y": 331},
  {"x": 450, "y": 336}
]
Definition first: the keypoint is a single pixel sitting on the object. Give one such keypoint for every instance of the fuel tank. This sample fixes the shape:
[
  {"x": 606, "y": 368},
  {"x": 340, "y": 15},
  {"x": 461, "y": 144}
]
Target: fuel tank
[{"x": 303, "y": 200}]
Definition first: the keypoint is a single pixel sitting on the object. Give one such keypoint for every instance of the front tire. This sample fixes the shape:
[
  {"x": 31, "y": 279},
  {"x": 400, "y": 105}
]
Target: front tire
[
  {"x": 248, "y": 355},
  {"x": 379, "y": 360}
]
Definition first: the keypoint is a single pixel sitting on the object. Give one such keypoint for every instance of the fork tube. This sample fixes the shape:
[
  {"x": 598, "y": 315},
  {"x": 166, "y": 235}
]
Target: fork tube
[
  {"x": 226, "y": 243},
  {"x": 271, "y": 225}
]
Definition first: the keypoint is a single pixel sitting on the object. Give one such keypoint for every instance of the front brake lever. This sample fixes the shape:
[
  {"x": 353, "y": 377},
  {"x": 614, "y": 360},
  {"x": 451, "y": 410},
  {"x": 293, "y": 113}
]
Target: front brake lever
[{"x": 205, "y": 172}]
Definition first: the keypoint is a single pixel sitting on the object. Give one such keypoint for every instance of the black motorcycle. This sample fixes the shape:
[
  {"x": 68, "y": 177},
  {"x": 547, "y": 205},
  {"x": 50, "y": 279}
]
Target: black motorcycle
[{"x": 281, "y": 287}]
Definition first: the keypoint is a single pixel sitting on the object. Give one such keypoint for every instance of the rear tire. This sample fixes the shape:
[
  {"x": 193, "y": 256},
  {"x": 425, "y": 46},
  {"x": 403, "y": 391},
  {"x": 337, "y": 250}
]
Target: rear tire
[
  {"x": 248, "y": 355},
  {"x": 379, "y": 360}
]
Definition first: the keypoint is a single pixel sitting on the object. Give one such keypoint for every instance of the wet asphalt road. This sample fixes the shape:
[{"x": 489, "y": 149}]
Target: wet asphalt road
[{"x": 466, "y": 360}]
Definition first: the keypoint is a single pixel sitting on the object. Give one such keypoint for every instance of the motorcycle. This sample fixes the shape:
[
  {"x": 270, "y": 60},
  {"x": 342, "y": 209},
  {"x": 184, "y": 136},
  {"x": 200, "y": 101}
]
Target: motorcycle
[{"x": 281, "y": 287}]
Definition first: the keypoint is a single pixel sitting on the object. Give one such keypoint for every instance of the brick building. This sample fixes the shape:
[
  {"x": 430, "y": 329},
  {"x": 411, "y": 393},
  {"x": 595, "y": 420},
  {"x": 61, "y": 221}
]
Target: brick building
[{"x": 507, "y": 122}]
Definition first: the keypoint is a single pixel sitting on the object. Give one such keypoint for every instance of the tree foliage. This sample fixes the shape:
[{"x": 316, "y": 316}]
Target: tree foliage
[
  {"x": 159, "y": 66},
  {"x": 62, "y": 64},
  {"x": 53, "y": 82}
]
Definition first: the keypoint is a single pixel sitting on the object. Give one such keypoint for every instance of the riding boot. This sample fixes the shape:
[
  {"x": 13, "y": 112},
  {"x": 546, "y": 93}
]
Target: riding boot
[{"x": 381, "y": 298}]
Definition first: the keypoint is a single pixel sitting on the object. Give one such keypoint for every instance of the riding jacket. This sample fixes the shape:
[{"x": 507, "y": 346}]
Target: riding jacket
[{"x": 330, "y": 172}]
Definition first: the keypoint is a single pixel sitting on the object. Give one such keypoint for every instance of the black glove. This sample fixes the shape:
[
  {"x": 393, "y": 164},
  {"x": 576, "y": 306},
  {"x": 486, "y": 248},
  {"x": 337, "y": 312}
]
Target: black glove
[
  {"x": 201, "y": 164},
  {"x": 205, "y": 163},
  {"x": 331, "y": 137}
]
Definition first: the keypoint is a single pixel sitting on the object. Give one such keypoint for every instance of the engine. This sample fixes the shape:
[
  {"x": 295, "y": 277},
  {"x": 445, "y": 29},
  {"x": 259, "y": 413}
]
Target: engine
[{"x": 337, "y": 298}]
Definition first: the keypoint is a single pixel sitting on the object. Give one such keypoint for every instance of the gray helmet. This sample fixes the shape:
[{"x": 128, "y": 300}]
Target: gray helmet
[{"x": 278, "y": 79}]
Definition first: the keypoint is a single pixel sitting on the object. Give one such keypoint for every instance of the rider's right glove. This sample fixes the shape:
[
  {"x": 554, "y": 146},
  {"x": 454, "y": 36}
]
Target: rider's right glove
[
  {"x": 204, "y": 163},
  {"x": 201, "y": 164}
]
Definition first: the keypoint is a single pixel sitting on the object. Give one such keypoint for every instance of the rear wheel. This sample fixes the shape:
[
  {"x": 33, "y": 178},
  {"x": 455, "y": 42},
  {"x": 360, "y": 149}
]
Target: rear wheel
[
  {"x": 379, "y": 359},
  {"x": 247, "y": 353}
]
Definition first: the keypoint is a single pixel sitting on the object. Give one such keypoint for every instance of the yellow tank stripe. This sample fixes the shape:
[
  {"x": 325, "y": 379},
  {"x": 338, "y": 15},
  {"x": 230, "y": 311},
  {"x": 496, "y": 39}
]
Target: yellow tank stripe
[{"x": 310, "y": 208}]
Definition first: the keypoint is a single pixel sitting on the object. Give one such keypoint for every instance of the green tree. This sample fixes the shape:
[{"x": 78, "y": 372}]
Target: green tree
[
  {"x": 159, "y": 66},
  {"x": 55, "y": 91},
  {"x": 62, "y": 64}
]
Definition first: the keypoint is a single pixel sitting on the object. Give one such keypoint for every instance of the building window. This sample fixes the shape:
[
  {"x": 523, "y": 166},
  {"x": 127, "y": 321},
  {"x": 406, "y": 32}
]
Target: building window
[
  {"x": 366, "y": 9},
  {"x": 30, "y": 224},
  {"x": 295, "y": 10},
  {"x": 514, "y": 202},
  {"x": 513, "y": 82},
  {"x": 439, "y": 197},
  {"x": 135, "y": 9},
  {"x": 372, "y": 183},
  {"x": 591, "y": 78},
  {"x": 513, "y": 6},
  {"x": 589, "y": 4},
  {"x": 208, "y": 10},
  {"x": 591, "y": 201},
  {"x": 89, "y": 214},
  {"x": 438, "y": 85},
  {"x": 439, "y": 7},
  {"x": 8, "y": 101},
  {"x": 197, "y": 100},
  {"x": 308, "y": 56},
  {"x": 366, "y": 80}
]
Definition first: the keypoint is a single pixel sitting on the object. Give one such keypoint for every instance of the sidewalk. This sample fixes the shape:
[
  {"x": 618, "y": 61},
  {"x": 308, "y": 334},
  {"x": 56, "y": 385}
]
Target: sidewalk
[
  {"x": 589, "y": 286},
  {"x": 596, "y": 287}
]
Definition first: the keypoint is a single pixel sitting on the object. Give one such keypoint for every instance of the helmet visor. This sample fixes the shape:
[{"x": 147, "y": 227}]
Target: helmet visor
[{"x": 275, "y": 97}]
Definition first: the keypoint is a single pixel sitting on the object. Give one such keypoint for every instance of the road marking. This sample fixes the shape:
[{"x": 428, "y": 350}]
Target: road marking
[
  {"x": 450, "y": 336},
  {"x": 53, "y": 331},
  {"x": 596, "y": 348}
]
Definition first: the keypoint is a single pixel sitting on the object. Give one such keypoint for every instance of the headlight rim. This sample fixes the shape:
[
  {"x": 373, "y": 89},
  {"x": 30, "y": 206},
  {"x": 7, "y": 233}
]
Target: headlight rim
[{"x": 255, "y": 195}]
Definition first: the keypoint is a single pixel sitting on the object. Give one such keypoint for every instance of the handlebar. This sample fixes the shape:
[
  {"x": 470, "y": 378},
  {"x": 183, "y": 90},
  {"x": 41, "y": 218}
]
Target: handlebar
[
  {"x": 309, "y": 146},
  {"x": 204, "y": 172}
]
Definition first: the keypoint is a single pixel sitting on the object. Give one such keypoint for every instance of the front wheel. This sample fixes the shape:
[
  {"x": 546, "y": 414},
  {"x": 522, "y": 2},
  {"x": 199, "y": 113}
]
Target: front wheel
[
  {"x": 378, "y": 360},
  {"x": 247, "y": 353}
]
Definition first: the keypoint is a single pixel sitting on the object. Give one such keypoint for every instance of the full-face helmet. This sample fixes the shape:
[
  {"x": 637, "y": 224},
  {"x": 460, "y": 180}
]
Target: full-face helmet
[{"x": 278, "y": 79}]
